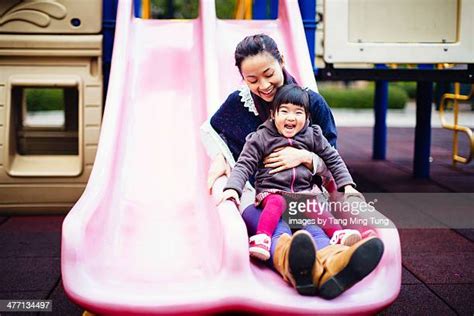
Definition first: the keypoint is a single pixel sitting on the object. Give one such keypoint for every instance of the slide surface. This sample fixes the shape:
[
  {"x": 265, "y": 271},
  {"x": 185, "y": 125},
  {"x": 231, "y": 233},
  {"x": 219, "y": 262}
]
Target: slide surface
[{"x": 146, "y": 237}]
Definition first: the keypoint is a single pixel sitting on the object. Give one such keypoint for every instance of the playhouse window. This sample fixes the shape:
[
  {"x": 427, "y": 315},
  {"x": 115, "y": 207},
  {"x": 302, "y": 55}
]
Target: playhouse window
[
  {"x": 43, "y": 108},
  {"x": 45, "y": 120}
]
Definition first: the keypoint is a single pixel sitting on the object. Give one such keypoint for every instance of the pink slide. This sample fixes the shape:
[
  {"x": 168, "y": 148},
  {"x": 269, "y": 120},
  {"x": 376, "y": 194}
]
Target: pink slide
[{"x": 146, "y": 237}]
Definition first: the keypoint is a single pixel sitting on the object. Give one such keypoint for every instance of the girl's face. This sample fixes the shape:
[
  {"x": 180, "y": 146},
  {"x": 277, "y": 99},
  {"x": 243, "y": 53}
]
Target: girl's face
[
  {"x": 263, "y": 74},
  {"x": 289, "y": 119}
]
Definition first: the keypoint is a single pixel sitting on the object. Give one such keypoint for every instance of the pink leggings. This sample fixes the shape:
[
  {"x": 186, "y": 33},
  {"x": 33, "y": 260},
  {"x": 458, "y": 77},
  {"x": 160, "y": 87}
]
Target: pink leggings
[{"x": 273, "y": 207}]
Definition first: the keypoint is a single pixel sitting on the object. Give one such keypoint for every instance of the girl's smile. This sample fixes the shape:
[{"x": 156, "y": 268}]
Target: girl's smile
[{"x": 289, "y": 119}]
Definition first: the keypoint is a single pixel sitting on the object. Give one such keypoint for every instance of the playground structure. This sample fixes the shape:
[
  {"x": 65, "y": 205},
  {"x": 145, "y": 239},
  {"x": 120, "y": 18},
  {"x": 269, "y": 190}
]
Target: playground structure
[
  {"x": 107, "y": 262},
  {"x": 364, "y": 31},
  {"x": 48, "y": 45},
  {"x": 133, "y": 230}
]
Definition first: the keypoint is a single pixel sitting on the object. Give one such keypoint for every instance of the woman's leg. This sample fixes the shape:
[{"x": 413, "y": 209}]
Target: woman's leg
[
  {"x": 273, "y": 207},
  {"x": 323, "y": 215},
  {"x": 319, "y": 236},
  {"x": 293, "y": 257}
]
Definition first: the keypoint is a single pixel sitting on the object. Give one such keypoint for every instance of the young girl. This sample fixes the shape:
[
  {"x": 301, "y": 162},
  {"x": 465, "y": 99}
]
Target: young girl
[{"x": 289, "y": 126}]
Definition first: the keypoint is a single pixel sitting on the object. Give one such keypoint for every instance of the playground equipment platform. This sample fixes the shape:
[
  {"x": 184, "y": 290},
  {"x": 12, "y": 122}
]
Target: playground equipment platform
[{"x": 438, "y": 270}]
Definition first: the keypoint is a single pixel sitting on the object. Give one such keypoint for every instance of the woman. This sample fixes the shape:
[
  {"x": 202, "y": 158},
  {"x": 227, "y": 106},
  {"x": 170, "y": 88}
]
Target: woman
[{"x": 333, "y": 268}]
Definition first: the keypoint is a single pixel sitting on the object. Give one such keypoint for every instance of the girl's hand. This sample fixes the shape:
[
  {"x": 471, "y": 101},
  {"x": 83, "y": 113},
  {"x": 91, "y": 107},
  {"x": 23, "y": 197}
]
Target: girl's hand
[
  {"x": 230, "y": 194},
  {"x": 287, "y": 157},
  {"x": 218, "y": 168}
]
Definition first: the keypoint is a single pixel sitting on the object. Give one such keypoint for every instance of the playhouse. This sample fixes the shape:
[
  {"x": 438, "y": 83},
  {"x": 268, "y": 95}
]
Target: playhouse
[{"x": 48, "y": 46}]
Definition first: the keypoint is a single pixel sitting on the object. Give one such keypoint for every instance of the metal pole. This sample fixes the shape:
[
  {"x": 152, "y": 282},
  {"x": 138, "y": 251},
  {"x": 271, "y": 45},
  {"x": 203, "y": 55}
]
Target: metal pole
[
  {"x": 108, "y": 30},
  {"x": 424, "y": 99},
  {"x": 137, "y": 8},
  {"x": 169, "y": 9},
  {"x": 308, "y": 14},
  {"x": 146, "y": 9},
  {"x": 260, "y": 9},
  {"x": 379, "y": 146},
  {"x": 274, "y": 9}
]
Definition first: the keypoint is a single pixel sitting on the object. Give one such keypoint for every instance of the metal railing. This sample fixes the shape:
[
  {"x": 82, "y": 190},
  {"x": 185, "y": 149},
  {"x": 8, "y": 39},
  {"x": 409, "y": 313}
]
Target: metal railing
[{"x": 455, "y": 98}]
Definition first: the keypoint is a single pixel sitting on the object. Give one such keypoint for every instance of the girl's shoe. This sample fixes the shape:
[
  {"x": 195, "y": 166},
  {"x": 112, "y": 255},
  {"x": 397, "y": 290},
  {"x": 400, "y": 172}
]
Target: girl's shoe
[
  {"x": 346, "y": 237},
  {"x": 259, "y": 246}
]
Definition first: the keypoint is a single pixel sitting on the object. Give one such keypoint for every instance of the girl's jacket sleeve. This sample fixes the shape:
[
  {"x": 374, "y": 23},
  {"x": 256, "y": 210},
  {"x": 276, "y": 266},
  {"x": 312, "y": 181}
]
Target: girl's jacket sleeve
[{"x": 247, "y": 163}]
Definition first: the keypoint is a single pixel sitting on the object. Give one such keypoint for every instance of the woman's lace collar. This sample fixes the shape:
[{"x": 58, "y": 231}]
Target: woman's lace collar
[{"x": 247, "y": 100}]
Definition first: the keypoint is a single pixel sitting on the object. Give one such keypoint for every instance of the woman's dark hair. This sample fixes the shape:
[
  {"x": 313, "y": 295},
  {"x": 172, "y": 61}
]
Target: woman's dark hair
[
  {"x": 291, "y": 93},
  {"x": 254, "y": 45}
]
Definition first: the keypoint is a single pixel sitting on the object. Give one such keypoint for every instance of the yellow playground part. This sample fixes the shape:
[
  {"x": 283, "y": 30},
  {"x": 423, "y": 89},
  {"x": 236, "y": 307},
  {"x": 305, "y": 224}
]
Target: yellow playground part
[
  {"x": 455, "y": 127},
  {"x": 243, "y": 9},
  {"x": 55, "y": 49}
]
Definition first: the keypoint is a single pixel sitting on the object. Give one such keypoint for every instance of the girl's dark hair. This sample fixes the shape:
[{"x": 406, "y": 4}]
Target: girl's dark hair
[
  {"x": 291, "y": 93},
  {"x": 254, "y": 45}
]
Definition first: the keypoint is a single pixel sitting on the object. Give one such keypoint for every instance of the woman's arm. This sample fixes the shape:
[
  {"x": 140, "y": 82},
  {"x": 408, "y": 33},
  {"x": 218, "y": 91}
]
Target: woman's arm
[
  {"x": 332, "y": 159},
  {"x": 217, "y": 149},
  {"x": 288, "y": 157},
  {"x": 321, "y": 115},
  {"x": 218, "y": 168}
]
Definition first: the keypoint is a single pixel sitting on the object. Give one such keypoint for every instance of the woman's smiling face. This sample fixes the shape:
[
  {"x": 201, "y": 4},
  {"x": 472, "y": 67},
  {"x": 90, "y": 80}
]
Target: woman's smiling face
[{"x": 263, "y": 74}]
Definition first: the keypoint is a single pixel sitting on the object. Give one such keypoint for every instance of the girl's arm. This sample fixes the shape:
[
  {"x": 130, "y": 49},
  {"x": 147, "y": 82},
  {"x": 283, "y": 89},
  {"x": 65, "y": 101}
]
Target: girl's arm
[{"x": 247, "y": 163}]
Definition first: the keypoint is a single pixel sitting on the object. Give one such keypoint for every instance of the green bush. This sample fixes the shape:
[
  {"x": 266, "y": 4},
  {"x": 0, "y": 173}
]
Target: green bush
[
  {"x": 225, "y": 9},
  {"x": 408, "y": 86},
  {"x": 186, "y": 9},
  {"x": 361, "y": 98},
  {"x": 182, "y": 9},
  {"x": 44, "y": 99}
]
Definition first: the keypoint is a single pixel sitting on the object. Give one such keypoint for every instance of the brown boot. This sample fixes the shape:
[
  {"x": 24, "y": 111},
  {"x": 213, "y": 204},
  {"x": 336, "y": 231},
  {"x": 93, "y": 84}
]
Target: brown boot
[
  {"x": 339, "y": 267},
  {"x": 294, "y": 258}
]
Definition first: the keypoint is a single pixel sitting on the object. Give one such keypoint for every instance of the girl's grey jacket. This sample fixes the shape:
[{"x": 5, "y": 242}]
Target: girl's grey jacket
[{"x": 265, "y": 140}]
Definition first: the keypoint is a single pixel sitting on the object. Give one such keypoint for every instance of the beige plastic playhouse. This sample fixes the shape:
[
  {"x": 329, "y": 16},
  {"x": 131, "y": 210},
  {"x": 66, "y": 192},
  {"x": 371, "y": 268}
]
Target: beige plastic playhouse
[{"x": 50, "y": 57}]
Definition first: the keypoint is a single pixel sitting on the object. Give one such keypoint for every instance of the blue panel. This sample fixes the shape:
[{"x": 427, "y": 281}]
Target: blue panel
[
  {"x": 259, "y": 11},
  {"x": 108, "y": 30},
  {"x": 273, "y": 9},
  {"x": 137, "y": 5},
  {"x": 308, "y": 13}
]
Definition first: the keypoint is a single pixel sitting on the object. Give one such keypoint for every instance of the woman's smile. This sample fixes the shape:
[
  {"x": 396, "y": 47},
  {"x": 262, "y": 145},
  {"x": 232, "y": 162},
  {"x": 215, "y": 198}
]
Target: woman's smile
[
  {"x": 263, "y": 74},
  {"x": 268, "y": 92}
]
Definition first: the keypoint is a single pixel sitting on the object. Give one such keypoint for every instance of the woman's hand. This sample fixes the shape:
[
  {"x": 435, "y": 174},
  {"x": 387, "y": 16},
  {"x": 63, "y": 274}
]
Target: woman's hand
[
  {"x": 230, "y": 194},
  {"x": 288, "y": 157},
  {"x": 218, "y": 168},
  {"x": 349, "y": 189}
]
